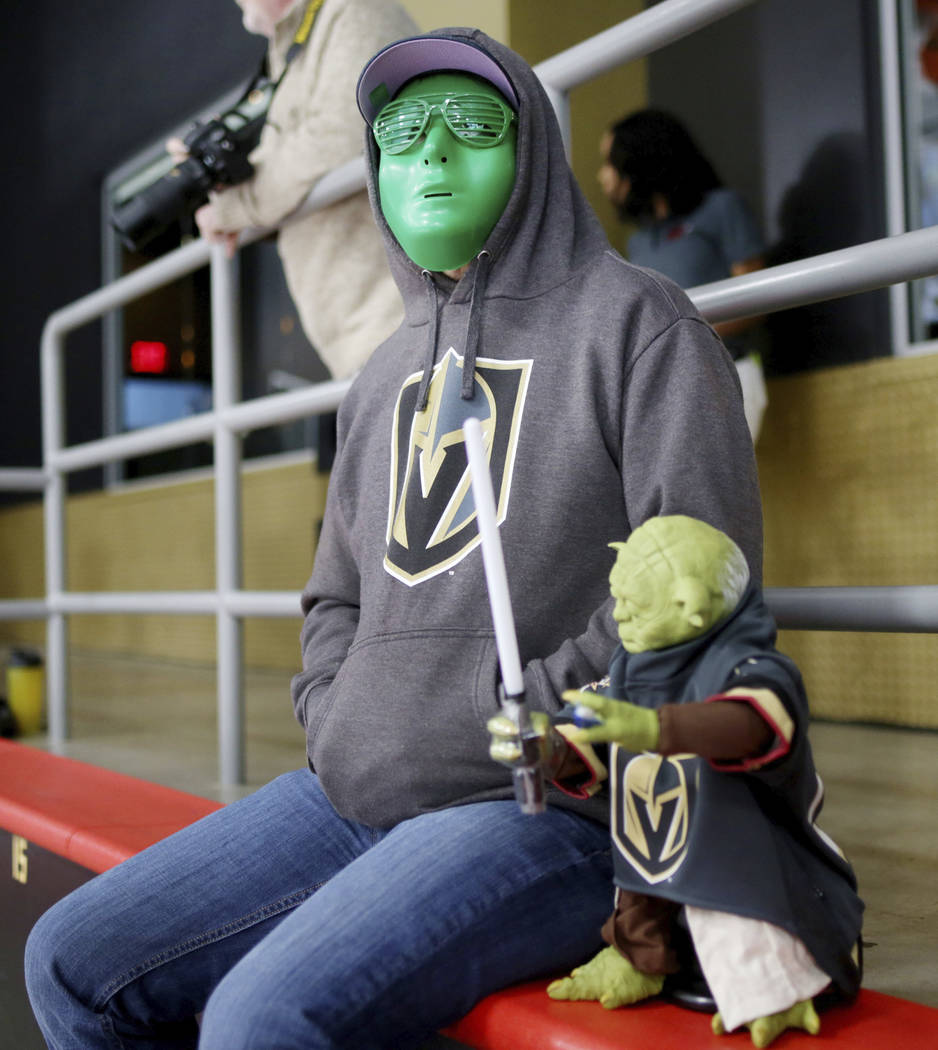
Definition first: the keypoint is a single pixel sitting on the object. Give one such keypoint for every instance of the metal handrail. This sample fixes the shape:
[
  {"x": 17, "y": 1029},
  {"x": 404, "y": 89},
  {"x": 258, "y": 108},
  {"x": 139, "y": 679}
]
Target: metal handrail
[
  {"x": 845, "y": 272},
  {"x": 905, "y": 610},
  {"x": 910, "y": 609},
  {"x": 239, "y": 419},
  {"x": 648, "y": 31},
  {"x": 860, "y": 268},
  {"x": 22, "y": 479}
]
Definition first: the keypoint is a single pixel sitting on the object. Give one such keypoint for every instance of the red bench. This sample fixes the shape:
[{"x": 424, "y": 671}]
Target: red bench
[{"x": 94, "y": 818}]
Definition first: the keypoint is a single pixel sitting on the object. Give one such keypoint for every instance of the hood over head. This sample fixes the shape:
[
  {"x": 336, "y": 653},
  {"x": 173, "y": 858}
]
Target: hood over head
[{"x": 547, "y": 230}]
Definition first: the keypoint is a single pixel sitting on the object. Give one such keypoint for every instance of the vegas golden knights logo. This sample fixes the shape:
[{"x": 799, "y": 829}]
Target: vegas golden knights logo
[
  {"x": 431, "y": 513},
  {"x": 652, "y": 799}
]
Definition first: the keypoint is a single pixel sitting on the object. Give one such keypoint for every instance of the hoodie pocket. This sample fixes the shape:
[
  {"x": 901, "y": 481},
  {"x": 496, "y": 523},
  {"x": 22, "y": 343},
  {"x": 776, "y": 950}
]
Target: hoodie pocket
[{"x": 402, "y": 728}]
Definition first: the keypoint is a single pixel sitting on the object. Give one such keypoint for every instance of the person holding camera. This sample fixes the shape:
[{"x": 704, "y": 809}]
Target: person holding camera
[{"x": 333, "y": 259}]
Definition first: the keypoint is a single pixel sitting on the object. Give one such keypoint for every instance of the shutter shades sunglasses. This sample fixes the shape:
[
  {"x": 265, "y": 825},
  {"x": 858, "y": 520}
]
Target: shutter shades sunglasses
[{"x": 476, "y": 120}]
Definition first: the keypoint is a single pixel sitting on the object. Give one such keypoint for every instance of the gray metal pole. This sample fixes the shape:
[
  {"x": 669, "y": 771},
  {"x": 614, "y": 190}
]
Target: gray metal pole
[
  {"x": 638, "y": 36},
  {"x": 861, "y": 268},
  {"x": 22, "y": 479},
  {"x": 53, "y": 430},
  {"x": 226, "y": 389},
  {"x": 911, "y": 610}
]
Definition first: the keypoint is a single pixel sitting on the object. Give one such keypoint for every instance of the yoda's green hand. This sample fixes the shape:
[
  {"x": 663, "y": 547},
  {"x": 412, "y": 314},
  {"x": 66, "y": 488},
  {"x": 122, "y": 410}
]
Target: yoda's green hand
[
  {"x": 505, "y": 745},
  {"x": 766, "y": 1029},
  {"x": 634, "y": 728},
  {"x": 609, "y": 979}
]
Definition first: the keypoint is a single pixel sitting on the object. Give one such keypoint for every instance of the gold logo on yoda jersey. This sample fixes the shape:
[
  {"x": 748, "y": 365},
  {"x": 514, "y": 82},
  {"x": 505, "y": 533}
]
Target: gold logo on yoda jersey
[
  {"x": 652, "y": 798},
  {"x": 431, "y": 513}
]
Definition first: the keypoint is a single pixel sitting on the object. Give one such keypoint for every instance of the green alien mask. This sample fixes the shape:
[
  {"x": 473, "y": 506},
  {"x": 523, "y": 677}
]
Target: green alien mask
[{"x": 447, "y": 166}]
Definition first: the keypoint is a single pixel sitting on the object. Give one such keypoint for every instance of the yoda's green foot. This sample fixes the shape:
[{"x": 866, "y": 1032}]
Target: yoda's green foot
[
  {"x": 609, "y": 979},
  {"x": 765, "y": 1030}
]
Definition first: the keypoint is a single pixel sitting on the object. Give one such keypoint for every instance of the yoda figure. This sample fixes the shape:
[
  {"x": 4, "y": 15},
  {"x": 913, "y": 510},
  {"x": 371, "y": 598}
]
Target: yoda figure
[{"x": 713, "y": 796}]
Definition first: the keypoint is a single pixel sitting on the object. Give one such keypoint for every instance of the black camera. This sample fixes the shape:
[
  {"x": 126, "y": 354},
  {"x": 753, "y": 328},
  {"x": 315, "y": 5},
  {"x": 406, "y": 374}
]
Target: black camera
[{"x": 218, "y": 156}]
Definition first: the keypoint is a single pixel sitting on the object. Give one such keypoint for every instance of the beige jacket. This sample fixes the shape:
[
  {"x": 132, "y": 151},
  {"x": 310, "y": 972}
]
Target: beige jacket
[{"x": 334, "y": 259}]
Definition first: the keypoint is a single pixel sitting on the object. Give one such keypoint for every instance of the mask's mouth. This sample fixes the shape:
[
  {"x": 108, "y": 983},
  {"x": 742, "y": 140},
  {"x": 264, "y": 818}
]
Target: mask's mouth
[{"x": 427, "y": 196}]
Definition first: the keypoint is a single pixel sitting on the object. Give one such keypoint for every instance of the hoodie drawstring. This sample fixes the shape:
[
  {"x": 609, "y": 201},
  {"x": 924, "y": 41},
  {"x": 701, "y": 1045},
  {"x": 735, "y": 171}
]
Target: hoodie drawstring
[
  {"x": 424, "y": 389},
  {"x": 476, "y": 299}
]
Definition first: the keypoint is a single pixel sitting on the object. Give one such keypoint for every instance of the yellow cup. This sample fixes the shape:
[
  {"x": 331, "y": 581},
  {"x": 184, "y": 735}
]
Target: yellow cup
[{"x": 25, "y": 687}]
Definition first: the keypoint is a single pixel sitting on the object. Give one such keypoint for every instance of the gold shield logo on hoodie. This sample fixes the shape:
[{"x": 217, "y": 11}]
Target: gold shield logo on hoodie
[
  {"x": 431, "y": 513},
  {"x": 652, "y": 798}
]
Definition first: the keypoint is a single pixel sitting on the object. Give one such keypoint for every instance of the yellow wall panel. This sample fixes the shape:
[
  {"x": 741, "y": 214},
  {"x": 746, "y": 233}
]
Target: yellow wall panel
[
  {"x": 491, "y": 16},
  {"x": 22, "y": 568},
  {"x": 848, "y": 460},
  {"x": 879, "y": 678},
  {"x": 161, "y": 537},
  {"x": 22, "y": 554}
]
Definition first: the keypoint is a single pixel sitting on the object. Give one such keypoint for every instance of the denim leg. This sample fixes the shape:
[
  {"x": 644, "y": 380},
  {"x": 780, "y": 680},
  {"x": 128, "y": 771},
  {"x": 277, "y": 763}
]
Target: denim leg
[
  {"x": 129, "y": 959},
  {"x": 446, "y": 908}
]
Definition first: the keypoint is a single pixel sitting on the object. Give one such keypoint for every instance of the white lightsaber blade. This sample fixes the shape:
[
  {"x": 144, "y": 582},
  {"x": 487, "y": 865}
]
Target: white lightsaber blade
[
  {"x": 506, "y": 640},
  {"x": 527, "y": 775}
]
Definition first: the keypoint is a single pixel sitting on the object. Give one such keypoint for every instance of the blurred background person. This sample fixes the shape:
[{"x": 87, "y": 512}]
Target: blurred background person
[
  {"x": 688, "y": 225},
  {"x": 333, "y": 259}
]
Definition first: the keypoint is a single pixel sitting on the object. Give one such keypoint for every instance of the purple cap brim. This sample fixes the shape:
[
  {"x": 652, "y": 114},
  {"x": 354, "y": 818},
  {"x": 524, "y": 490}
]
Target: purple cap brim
[{"x": 398, "y": 63}]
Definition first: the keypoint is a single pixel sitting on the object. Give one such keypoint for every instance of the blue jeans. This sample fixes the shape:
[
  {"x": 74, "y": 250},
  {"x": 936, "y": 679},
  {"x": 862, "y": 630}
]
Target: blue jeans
[{"x": 292, "y": 927}]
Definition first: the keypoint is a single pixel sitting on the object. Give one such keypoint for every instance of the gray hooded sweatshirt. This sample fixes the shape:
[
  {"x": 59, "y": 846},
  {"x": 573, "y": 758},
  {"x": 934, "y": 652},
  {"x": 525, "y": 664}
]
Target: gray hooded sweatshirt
[{"x": 605, "y": 400}]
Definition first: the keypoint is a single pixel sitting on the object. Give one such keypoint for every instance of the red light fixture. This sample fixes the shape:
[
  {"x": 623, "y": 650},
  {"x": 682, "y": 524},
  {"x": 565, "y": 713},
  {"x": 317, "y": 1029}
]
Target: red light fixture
[{"x": 149, "y": 357}]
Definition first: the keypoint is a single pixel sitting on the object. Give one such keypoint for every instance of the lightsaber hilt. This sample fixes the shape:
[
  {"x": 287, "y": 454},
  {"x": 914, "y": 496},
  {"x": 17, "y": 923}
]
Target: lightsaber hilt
[{"x": 527, "y": 773}]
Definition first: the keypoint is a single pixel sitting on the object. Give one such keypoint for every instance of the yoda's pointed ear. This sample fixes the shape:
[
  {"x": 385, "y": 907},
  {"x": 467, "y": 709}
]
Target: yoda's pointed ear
[
  {"x": 618, "y": 545},
  {"x": 693, "y": 598}
]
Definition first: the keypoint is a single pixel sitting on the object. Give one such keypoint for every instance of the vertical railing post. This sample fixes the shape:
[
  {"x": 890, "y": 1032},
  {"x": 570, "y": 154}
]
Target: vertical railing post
[
  {"x": 894, "y": 159},
  {"x": 53, "y": 434},
  {"x": 226, "y": 391}
]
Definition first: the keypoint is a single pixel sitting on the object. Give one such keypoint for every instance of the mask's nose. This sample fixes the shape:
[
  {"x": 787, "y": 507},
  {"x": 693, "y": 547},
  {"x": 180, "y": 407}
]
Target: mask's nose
[{"x": 437, "y": 142}]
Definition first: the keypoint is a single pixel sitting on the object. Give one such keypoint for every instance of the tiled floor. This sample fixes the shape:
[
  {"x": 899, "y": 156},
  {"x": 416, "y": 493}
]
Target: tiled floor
[{"x": 157, "y": 721}]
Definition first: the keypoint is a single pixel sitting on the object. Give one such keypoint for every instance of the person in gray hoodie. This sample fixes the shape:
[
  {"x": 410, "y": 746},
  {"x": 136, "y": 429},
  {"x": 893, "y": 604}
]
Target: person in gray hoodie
[{"x": 377, "y": 895}]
